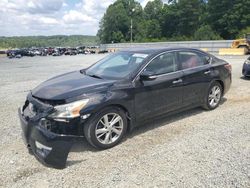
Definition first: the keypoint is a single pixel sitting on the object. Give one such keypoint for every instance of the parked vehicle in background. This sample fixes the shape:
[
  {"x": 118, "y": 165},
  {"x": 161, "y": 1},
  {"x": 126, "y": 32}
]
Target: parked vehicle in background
[
  {"x": 60, "y": 50},
  {"x": 2, "y": 52},
  {"x": 91, "y": 50},
  {"x": 74, "y": 51},
  {"x": 87, "y": 51},
  {"x": 80, "y": 49},
  {"x": 246, "y": 68},
  {"x": 36, "y": 52},
  {"x": 15, "y": 53},
  {"x": 50, "y": 51},
  {"x": 71, "y": 51},
  {"x": 103, "y": 51},
  {"x": 27, "y": 52},
  {"x": 54, "y": 51},
  {"x": 113, "y": 96},
  {"x": 18, "y": 56}
]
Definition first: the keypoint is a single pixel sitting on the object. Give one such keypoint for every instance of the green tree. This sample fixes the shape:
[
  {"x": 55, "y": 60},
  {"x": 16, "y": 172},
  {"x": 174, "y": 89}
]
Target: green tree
[
  {"x": 115, "y": 25},
  {"x": 170, "y": 20},
  {"x": 153, "y": 20},
  {"x": 228, "y": 17},
  {"x": 153, "y": 10},
  {"x": 47, "y": 41},
  {"x": 244, "y": 32},
  {"x": 175, "y": 20},
  {"x": 182, "y": 18},
  {"x": 117, "y": 36},
  {"x": 206, "y": 33},
  {"x": 188, "y": 16},
  {"x": 115, "y": 21}
]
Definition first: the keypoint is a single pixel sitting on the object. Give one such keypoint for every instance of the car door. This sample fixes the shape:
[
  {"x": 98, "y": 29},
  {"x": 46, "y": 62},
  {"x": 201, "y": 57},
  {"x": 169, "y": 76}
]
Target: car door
[
  {"x": 161, "y": 94},
  {"x": 197, "y": 75}
]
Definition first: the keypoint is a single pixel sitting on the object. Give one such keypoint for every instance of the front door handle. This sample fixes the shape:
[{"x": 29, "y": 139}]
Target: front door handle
[
  {"x": 207, "y": 72},
  {"x": 177, "y": 81}
]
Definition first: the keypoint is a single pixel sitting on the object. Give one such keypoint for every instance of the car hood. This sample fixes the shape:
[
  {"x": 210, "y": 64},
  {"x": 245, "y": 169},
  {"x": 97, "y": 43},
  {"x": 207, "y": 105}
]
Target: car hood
[{"x": 70, "y": 85}]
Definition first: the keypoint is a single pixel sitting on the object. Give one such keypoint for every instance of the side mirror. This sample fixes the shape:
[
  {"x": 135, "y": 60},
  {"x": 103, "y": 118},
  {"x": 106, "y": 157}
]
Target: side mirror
[
  {"x": 208, "y": 60},
  {"x": 147, "y": 75}
]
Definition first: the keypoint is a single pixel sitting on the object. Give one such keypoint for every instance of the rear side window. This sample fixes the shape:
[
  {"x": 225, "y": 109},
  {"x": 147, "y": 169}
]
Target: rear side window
[
  {"x": 189, "y": 60},
  {"x": 163, "y": 64}
]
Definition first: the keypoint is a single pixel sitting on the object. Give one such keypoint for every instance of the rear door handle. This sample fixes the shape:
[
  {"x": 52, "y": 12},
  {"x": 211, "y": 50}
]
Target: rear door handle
[
  {"x": 177, "y": 81},
  {"x": 207, "y": 72}
]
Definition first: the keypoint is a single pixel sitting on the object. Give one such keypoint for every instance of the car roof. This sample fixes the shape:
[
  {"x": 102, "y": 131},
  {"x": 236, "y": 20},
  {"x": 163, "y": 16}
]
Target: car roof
[{"x": 157, "y": 50}]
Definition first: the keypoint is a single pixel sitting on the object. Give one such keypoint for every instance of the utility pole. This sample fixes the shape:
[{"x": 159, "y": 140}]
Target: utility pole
[
  {"x": 131, "y": 25},
  {"x": 131, "y": 30}
]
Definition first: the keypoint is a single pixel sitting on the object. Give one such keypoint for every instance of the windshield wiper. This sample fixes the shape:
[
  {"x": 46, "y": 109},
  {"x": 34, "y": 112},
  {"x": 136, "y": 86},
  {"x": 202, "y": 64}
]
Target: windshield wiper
[
  {"x": 94, "y": 76},
  {"x": 82, "y": 71}
]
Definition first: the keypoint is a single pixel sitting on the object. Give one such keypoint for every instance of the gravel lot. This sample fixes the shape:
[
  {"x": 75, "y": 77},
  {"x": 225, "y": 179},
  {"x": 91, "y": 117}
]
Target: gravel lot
[{"x": 196, "y": 148}]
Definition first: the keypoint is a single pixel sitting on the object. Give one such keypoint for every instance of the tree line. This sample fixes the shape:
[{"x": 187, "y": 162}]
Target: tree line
[
  {"x": 174, "y": 20},
  {"x": 47, "y": 41}
]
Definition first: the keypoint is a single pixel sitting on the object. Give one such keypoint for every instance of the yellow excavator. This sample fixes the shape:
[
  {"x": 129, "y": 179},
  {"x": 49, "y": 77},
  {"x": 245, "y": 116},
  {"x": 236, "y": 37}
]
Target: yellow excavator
[{"x": 242, "y": 43}]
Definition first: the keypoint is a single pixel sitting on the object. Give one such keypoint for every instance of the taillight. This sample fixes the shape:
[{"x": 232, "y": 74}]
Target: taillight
[{"x": 228, "y": 67}]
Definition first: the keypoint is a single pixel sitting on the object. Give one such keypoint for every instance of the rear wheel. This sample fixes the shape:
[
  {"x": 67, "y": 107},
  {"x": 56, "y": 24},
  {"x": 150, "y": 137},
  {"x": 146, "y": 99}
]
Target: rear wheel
[
  {"x": 213, "y": 96},
  {"x": 106, "y": 128}
]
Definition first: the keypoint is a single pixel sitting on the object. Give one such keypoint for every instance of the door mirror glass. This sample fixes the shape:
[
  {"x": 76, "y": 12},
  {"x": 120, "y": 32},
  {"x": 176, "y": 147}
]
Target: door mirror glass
[
  {"x": 147, "y": 75},
  {"x": 208, "y": 60}
]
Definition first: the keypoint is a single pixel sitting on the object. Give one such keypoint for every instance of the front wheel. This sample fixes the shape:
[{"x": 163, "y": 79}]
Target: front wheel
[
  {"x": 213, "y": 96},
  {"x": 106, "y": 128}
]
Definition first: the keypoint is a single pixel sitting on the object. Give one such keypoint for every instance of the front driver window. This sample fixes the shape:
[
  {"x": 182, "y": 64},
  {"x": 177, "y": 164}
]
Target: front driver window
[{"x": 162, "y": 64}]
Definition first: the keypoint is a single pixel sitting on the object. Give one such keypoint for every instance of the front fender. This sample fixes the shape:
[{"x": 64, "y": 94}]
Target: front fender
[{"x": 120, "y": 98}]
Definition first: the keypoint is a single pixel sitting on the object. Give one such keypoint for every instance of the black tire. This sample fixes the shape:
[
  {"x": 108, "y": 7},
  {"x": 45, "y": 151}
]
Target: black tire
[
  {"x": 94, "y": 121},
  {"x": 207, "y": 104},
  {"x": 244, "y": 73}
]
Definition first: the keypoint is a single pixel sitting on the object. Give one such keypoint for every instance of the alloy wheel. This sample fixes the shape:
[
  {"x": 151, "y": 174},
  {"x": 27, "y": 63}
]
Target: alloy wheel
[
  {"x": 109, "y": 128},
  {"x": 214, "y": 96}
]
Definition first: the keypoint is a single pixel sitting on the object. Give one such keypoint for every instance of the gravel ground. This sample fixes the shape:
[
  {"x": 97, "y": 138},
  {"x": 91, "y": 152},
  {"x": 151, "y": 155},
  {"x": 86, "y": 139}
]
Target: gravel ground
[{"x": 196, "y": 148}]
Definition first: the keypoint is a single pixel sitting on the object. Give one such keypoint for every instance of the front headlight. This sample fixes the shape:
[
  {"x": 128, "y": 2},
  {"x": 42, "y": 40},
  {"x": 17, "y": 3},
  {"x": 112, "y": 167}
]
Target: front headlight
[{"x": 71, "y": 110}]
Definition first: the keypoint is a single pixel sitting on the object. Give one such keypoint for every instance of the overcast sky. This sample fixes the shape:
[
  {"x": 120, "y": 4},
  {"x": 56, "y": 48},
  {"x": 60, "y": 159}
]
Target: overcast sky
[{"x": 52, "y": 17}]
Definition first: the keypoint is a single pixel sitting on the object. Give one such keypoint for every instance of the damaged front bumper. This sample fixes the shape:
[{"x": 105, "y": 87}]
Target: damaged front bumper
[{"x": 50, "y": 148}]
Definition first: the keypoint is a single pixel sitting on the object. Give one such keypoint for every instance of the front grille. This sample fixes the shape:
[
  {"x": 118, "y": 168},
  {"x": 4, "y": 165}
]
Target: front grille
[{"x": 45, "y": 123}]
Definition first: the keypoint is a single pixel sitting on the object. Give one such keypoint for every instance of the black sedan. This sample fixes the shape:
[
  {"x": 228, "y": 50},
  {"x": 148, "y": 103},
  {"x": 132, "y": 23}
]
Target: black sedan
[
  {"x": 246, "y": 68},
  {"x": 111, "y": 97}
]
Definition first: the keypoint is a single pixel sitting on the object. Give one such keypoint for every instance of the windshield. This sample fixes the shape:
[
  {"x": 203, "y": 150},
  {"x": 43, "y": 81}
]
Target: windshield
[{"x": 116, "y": 66}]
